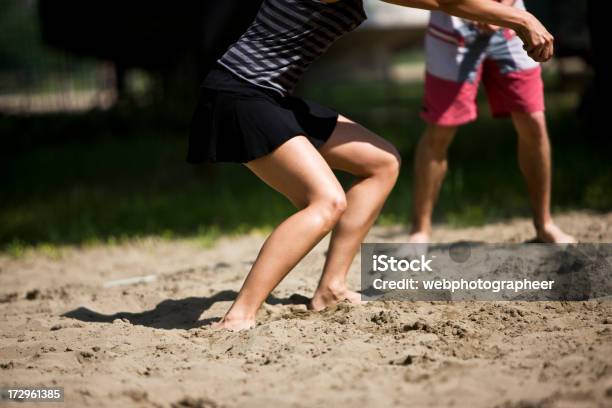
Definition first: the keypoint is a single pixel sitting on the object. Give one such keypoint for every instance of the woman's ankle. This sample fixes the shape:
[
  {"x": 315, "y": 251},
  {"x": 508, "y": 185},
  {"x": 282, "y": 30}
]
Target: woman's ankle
[
  {"x": 236, "y": 315},
  {"x": 334, "y": 289}
]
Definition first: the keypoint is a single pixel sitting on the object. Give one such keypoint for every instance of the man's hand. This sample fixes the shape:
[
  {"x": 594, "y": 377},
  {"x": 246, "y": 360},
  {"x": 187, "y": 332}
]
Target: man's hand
[{"x": 538, "y": 42}]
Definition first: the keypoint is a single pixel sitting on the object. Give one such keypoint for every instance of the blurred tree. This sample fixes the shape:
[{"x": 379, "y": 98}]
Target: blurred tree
[
  {"x": 17, "y": 35},
  {"x": 21, "y": 48}
]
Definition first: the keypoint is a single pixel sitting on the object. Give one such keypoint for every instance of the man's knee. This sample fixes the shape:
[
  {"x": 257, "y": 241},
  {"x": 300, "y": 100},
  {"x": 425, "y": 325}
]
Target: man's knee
[
  {"x": 531, "y": 124},
  {"x": 439, "y": 138}
]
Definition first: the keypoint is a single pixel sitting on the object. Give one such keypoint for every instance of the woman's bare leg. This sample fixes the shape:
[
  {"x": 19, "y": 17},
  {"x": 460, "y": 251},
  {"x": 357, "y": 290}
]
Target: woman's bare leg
[
  {"x": 299, "y": 172},
  {"x": 376, "y": 163}
]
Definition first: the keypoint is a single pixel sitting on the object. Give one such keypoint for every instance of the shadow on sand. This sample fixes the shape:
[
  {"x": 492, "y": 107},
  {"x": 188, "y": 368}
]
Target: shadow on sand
[{"x": 176, "y": 313}]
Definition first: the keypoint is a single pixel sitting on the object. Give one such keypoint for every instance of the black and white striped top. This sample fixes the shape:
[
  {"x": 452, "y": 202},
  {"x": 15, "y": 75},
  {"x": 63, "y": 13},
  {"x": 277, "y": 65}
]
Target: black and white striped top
[{"x": 286, "y": 37}]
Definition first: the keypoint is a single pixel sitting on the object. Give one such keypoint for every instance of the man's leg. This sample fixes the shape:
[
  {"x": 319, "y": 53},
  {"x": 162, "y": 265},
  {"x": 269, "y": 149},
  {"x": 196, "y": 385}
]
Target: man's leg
[
  {"x": 535, "y": 163},
  {"x": 451, "y": 83},
  {"x": 514, "y": 86},
  {"x": 430, "y": 166}
]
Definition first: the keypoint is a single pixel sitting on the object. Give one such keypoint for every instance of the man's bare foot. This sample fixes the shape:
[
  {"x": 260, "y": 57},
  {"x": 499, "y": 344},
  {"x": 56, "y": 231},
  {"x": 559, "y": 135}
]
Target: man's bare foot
[
  {"x": 419, "y": 237},
  {"x": 233, "y": 324},
  {"x": 550, "y": 233},
  {"x": 420, "y": 241},
  {"x": 324, "y": 298}
]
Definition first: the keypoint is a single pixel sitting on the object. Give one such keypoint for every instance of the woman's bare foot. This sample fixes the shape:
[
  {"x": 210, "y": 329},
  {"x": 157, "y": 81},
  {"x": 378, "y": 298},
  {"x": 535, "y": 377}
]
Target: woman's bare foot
[
  {"x": 326, "y": 297},
  {"x": 551, "y": 233},
  {"x": 233, "y": 324}
]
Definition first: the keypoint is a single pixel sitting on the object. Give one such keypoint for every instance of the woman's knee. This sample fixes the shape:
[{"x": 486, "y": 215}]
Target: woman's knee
[
  {"x": 393, "y": 162},
  {"x": 389, "y": 164},
  {"x": 329, "y": 207}
]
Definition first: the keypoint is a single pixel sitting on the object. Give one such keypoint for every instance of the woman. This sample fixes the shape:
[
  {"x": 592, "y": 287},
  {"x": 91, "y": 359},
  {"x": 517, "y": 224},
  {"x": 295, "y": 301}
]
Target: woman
[{"x": 246, "y": 114}]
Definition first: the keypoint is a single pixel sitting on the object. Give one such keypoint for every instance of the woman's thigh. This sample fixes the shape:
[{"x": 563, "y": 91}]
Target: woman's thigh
[
  {"x": 356, "y": 150},
  {"x": 298, "y": 171}
]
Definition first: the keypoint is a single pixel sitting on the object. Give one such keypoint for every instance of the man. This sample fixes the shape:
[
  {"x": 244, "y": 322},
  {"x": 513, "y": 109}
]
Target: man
[{"x": 460, "y": 54}]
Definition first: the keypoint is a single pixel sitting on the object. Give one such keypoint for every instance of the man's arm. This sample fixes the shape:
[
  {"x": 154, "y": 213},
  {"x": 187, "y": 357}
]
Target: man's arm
[
  {"x": 538, "y": 41},
  {"x": 490, "y": 28}
]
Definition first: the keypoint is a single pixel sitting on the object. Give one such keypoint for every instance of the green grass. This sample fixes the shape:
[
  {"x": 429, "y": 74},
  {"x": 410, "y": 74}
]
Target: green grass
[{"x": 133, "y": 183}]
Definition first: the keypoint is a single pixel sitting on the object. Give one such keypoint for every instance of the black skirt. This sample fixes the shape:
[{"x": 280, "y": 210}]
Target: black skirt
[{"x": 236, "y": 121}]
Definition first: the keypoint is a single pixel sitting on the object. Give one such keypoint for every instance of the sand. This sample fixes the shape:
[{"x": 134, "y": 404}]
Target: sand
[{"x": 149, "y": 344}]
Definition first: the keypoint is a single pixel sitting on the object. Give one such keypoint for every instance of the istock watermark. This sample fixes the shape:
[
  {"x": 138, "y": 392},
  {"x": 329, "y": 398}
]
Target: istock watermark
[
  {"x": 383, "y": 263},
  {"x": 478, "y": 271}
]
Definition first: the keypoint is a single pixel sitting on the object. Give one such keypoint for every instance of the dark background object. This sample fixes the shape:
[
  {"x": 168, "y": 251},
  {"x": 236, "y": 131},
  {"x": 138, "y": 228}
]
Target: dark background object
[{"x": 156, "y": 36}]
